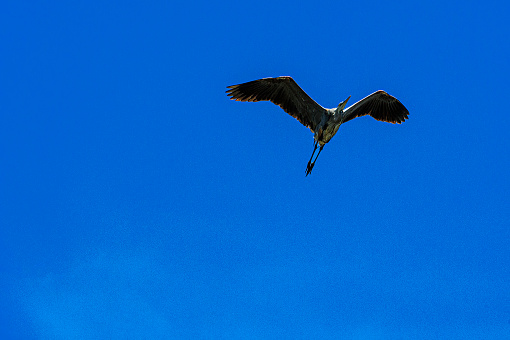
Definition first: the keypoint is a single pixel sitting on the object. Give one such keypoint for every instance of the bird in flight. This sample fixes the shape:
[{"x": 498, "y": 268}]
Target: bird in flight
[{"x": 324, "y": 123}]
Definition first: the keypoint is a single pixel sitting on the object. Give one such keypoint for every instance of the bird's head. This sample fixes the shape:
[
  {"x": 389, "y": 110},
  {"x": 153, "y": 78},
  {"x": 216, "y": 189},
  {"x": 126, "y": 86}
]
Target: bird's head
[{"x": 341, "y": 106}]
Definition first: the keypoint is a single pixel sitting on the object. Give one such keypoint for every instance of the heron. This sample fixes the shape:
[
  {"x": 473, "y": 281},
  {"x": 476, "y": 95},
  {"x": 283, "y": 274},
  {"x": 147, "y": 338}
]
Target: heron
[{"x": 324, "y": 123}]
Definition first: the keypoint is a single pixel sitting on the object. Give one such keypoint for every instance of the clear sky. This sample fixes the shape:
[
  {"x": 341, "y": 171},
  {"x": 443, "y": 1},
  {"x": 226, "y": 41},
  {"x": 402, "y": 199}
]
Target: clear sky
[{"x": 137, "y": 201}]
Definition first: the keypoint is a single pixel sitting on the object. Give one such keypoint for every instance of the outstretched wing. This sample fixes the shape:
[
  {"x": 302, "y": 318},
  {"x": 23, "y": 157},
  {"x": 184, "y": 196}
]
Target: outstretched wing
[
  {"x": 379, "y": 105},
  {"x": 284, "y": 92}
]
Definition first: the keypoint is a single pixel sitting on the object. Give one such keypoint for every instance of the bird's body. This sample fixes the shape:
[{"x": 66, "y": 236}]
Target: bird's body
[
  {"x": 328, "y": 126},
  {"x": 324, "y": 123}
]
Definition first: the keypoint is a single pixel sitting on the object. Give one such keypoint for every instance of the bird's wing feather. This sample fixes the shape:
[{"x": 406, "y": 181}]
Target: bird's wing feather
[
  {"x": 379, "y": 105},
  {"x": 284, "y": 92}
]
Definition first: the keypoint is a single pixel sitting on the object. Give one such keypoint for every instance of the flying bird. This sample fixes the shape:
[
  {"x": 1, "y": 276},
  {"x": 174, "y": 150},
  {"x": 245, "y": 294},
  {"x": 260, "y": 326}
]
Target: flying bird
[{"x": 324, "y": 123}]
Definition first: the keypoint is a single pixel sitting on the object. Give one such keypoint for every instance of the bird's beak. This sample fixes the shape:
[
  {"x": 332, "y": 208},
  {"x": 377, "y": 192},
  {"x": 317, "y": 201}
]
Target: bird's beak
[{"x": 341, "y": 106}]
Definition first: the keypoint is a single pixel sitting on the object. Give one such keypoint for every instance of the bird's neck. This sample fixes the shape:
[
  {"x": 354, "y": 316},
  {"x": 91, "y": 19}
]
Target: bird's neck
[{"x": 338, "y": 115}]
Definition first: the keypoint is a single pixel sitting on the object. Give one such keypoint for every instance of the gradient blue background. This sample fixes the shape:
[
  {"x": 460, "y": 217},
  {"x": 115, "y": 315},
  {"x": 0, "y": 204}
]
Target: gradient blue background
[{"x": 137, "y": 201}]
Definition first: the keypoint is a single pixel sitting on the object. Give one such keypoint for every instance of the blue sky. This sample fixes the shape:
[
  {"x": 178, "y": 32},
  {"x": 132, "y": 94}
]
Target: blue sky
[{"x": 137, "y": 201}]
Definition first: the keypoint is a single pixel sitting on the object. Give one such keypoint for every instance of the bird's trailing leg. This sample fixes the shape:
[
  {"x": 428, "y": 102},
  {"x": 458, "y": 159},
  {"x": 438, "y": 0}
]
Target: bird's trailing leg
[
  {"x": 310, "y": 165},
  {"x": 314, "y": 148}
]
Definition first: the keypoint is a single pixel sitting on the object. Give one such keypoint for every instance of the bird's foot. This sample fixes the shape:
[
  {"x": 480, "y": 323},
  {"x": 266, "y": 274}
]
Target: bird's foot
[{"x": 309, "y": 168}]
